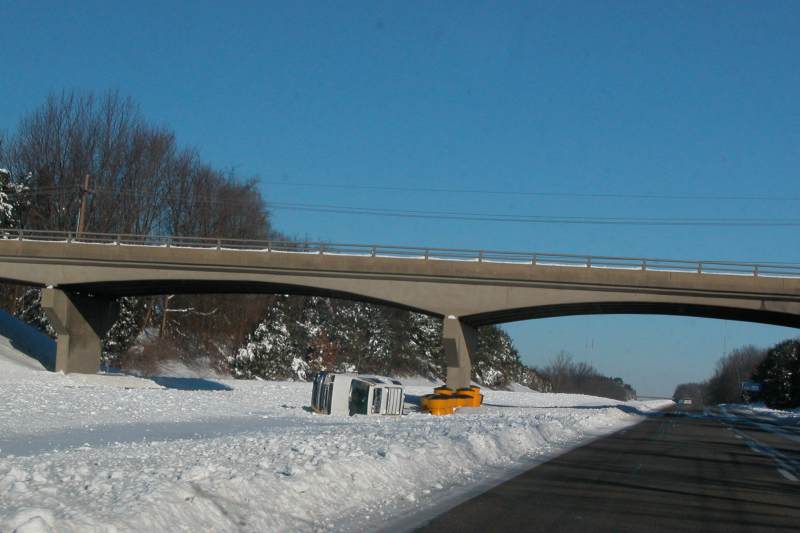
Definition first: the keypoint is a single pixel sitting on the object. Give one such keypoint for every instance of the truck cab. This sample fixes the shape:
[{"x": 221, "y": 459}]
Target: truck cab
[{"x": 354, "y": 394}]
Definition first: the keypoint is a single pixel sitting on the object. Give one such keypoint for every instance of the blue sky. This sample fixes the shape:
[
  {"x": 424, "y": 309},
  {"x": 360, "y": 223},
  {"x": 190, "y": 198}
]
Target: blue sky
[{"x": 687, "y": 98}]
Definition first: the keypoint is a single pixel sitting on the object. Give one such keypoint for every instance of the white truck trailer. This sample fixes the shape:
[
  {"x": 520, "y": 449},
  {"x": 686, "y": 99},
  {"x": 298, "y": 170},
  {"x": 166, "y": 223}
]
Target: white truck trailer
[{"x": 354, "y": 394}]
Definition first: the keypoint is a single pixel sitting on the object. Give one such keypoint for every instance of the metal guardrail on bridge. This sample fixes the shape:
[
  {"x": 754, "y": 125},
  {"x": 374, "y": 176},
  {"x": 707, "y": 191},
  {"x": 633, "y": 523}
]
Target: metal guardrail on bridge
[{"x": 764, "y": 269}]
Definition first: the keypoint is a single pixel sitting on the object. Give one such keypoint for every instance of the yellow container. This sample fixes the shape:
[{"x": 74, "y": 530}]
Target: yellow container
[
  {"x": 461, "y": 400},
  {"x": 445, "y": 400},
  {"x": 423, "y": 402},
  {"x": 438, "y": 404},
  {"x": 474, "y": 394}
]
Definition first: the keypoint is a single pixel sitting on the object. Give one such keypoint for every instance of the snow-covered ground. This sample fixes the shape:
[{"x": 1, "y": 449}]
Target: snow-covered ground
[
  {"x": 792, "y": 415},
  {"x": 119, "y": 453}
]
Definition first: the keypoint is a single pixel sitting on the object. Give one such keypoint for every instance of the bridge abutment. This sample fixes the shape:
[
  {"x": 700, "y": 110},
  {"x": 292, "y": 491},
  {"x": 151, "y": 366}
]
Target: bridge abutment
[
  {"x": 460, "y": 342},
  {"x": 80, "y": 322}
]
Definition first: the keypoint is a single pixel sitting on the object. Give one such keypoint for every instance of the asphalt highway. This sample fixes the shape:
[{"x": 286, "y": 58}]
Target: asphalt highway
[{"x": 718, "y": 470}]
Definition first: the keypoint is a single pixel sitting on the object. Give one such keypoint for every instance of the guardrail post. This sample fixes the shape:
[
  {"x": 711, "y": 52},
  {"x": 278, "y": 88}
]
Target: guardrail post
[
  {"x": 533, "y": 260},
  {"x": 373, "y": 252},
  {"x": 119, "y": 238},
  {"x": 755, "y": 270},
  {"x": 269, "y": 246},
  {"x": 699, "y": 268},
  {"x": 588, "y": 262},
  {"x": 20, "y": 233},
  {"x": 644, "y": 264},
  {"x": 219, "y": 244},
  {"x": 69, "y": 237},
  {"x": 427, "y": 254},
  {"x": 321, "y": 249},
  {"x": 480, "y": 256}
]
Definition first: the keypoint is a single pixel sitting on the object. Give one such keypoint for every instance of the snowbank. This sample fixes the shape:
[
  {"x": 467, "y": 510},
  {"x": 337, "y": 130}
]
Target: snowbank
[
  {"x": 759, "y": 410},
  {"x": 248, "y": 455},
  {"x": 23, "y": 348}
]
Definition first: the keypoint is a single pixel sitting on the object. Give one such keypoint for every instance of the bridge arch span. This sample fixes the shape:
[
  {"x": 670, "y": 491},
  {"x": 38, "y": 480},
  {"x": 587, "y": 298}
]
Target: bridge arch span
[
  {"x": 761, "y": 316},
  {"x": 153, "y": 287}
]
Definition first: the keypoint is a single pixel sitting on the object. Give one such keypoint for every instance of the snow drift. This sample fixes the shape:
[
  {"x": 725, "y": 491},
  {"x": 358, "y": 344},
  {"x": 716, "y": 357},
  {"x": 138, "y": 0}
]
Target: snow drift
[{"x": 84, "y": 454}]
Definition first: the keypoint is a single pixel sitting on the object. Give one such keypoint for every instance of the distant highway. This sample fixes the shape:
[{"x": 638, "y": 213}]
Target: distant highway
[{"x": 720, "y": 470}]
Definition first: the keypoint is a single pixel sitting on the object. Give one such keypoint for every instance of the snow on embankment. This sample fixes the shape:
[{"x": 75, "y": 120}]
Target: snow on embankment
[
  {"x": 247, "y": 455},
  {"x": 23, "y": 348}
]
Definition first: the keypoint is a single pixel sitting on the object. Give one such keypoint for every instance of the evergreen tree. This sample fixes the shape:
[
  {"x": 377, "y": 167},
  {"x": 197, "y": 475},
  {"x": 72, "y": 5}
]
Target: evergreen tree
[
  {"x": 379, "y": 336},
  {"x": 303, "y": 335},
  {"x": 779, "y": 374},
  {"x": 532, "y": 379},
  {"x": 11, "y": 200},
  {"x": 313, "y": 334},
  {"x": 29, "y": 309},
  {"x": 423, "y": 346},
  {"x": 6, "y": 208},
  {"x": 123, "y": 332},
  {"x": 496, "y": 360},
  {"x": 271, "y": 352}
]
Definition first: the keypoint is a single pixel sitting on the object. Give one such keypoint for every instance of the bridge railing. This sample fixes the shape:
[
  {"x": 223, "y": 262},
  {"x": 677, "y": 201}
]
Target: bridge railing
[{"x": 766, "y": 269}]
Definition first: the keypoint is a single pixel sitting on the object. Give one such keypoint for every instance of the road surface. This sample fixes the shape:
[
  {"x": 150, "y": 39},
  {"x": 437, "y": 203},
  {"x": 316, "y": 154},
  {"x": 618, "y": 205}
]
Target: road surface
[{"x": 722, "y": 470}]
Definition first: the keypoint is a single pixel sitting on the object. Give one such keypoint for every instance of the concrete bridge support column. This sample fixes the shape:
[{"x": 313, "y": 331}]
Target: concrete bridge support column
[
  {"x": 460, "y": 343},
  {"x": 81, "y": 322}
]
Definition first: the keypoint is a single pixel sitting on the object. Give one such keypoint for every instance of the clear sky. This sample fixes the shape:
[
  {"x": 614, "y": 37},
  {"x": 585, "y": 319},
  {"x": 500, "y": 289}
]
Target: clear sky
[{"x": 668, "y": 98}]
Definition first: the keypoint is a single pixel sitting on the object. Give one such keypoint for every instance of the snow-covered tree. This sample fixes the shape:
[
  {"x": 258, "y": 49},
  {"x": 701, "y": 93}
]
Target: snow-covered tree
[
  {"x": 779, "y": 374},
  {"x": 6, "y": 208},
  {"x": 9, "y": 200},
  {"x": 123, "y": 332},
  {"x": 423, "y": 346},
  {"x": 533, "y": 379},
  {"x": 365, "y": 334},
  {"x": 303, "y": 335},
  {"x": 29, "y": 309},
  {"x": 271, "y": 352},
  {"x": 496, "y": 362},
  {"x": 13, "y": 198}
]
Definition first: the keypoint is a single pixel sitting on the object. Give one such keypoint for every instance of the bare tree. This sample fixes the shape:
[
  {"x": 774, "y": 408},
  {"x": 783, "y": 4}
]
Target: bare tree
[
  {"x": 142, "y": 182},
  {"x": 731, "y": 370},
  {"x": 567, "y": 376}
]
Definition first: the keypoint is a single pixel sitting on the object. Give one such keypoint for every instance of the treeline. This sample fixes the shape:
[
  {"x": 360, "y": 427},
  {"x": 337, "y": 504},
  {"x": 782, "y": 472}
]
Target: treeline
[
  {"x": 302, "y": 335},
  {"x": 775, "y": 370},
  {"x": 143, "y": 182},
  {"x": 566, "y": 375}
]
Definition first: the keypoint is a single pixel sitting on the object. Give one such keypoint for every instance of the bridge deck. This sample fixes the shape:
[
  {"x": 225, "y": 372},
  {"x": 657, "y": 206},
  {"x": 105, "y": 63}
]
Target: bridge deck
[{"x": 740, "y": 268}]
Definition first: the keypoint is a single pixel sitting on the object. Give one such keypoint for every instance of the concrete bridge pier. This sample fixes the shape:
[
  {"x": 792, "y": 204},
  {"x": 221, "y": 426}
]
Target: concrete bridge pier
[
  {"x": 81, "y": 322},
  {"x": 460, "y": 343}
]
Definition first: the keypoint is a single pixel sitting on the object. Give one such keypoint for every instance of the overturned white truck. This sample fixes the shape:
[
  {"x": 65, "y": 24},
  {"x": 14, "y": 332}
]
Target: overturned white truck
[{"x": 353, "y": 394}]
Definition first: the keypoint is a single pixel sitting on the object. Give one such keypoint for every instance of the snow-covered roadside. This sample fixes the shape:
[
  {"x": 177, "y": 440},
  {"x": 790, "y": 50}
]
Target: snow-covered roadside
[
  {"x": 246, "y": 455},
  {"x": 760, "y": 409}
]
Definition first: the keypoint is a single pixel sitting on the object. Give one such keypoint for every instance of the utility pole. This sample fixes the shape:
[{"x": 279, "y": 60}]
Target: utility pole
[
  {"x": 164, "y": 310},
  {"x": 84, "y": 204}
]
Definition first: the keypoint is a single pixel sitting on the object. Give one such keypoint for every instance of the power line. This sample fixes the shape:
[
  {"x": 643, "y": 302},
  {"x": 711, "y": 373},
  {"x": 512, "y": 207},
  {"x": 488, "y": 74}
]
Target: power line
[
  {"x": 55, "y": 191},
  {"x": 490, "y": 217},
  {"x": 468, "y": 216},
  {"x": 552, "y": 194},
  {"x": 541, "y": 219}
]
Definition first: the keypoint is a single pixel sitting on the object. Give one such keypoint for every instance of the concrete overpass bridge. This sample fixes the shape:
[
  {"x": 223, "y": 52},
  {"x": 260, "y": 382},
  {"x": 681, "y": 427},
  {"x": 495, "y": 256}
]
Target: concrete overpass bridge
[{"x": 83, "y": 276}]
